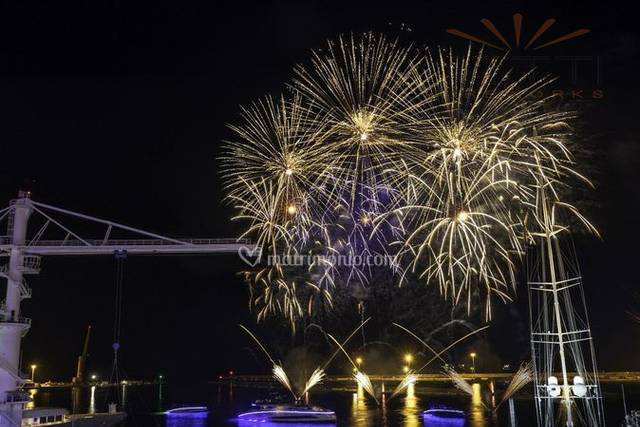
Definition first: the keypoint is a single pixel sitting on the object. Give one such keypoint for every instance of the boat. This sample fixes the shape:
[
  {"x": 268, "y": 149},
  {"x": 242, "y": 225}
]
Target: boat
[
  {"x": 60, "y": 417},
  {"x": 273, "y": 398},
  {"x": 445, "y": 417},
  {"x": 288, "y": 414},
  {"x": 188, "y": 411}
]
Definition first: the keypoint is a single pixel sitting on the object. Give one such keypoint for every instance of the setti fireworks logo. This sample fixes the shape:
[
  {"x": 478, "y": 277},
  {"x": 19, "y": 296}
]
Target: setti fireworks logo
[
  {"x": 534, "y": 42},
  {"x": 580, "y": 75}
]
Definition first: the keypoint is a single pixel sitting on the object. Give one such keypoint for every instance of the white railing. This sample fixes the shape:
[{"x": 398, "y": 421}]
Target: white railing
[
  {"x": 9, "y": 318},
  {"x": 31, "y": 263},
  {"x": 5, "y": 240}
]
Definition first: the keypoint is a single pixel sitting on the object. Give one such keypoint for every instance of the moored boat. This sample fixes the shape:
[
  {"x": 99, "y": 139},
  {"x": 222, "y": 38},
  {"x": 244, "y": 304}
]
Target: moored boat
[
  {"x": 444, "y": 417},
  {"x": 288, "y": 414},
  {"x": 188, "y": 411}
]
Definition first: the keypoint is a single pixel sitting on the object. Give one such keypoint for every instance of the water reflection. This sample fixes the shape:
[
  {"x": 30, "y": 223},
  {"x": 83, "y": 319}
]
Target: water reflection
[
  {"x": 92, "y": 400},
  {"x": 435, "y": 420},
  {"x": 76, "y": 400},
  {"x": 411, "y": 411},
  {"x": 196, "y": 420},
  {"x": 123, "y": 395},
  {"x": 159, "y": 401},
  {"x": 477, "y": 412},
  {"x": 353, "y": 409},
  {"x": 32, "y": 396},
  {"x": 269, "y": 424},
  {"x": 359, "y": 409}
]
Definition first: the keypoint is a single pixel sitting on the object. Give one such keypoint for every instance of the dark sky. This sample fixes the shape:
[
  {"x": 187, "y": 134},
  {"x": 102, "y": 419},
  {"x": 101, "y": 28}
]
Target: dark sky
[{"x": 117, "y": 109}]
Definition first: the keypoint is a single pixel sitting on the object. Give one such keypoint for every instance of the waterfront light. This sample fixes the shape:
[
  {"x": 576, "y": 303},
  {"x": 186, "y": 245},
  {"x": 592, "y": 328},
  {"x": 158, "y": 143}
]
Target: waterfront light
[
  {"x": 33, "y": 372},
  {"x": 473, "y": 361}
]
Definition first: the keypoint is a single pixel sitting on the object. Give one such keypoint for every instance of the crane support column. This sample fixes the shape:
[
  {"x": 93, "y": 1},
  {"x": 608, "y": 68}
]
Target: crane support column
[{"x": 13, "y": 326}]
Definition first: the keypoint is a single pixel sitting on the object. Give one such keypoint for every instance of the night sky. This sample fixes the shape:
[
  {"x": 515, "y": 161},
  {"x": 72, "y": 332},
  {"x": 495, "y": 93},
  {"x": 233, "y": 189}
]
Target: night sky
[{"x": 118, "y": 110}]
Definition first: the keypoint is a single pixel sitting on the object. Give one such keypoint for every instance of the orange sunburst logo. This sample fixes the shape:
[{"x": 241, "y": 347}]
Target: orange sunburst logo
[{"x": 517, "y": 30}]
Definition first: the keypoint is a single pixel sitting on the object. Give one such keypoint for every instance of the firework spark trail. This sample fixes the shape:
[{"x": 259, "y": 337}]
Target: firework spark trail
[
  {"x": 341, "y": 346},
  {"x": 423, "y": 342},
  {"x": 280, "y": 375},
  {"x": 278, "y": 372},
  {"x": 318, "y": 374},
  {"x": 522, "y": 377},
  {"x": 360, "y": 377},
  {"x": 458, "y": 381},
  {"x": 437, "y": 356},
  {"x": 363, "y": 380},
  {"x": 408, "y": 379},
  {"x": 316, "y": 378},
  {"x": 259, "y": 343}
]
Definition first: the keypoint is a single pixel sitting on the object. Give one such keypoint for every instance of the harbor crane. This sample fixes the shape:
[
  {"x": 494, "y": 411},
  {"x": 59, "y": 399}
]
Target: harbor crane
[{"x": 35, "y": 230}]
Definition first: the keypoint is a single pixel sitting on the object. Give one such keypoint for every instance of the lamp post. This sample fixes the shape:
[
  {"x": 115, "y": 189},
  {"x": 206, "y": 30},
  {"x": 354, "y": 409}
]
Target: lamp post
[
  {"x": 408, "y": 358},
  {"x": 359, "y": 362},
  {"x": 33, "y": 373},
  {"x": 473, "y": 361}
]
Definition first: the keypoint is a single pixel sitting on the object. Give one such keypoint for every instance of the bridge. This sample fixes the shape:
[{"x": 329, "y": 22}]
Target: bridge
[{"x": 260, "y": 380}]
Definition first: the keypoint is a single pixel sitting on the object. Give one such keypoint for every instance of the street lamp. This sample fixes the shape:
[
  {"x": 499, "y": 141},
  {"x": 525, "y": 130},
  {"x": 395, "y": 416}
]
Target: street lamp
[
  {"x": 94, "y": 377},
  {"x": 33, "y": 373},
  {"x": 359, "y": 362},
  {"x": 473, "y": 361},
  {"x": 408, "y": 358},
  {"x": 405, "y": 369}
]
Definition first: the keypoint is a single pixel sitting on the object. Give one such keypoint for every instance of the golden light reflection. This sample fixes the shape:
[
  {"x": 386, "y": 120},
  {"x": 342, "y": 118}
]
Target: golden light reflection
[
  {"x": 411, "y": 410},
  {"x": 32, "y": 396},
  {"x": 92, "y": 400},
  {"x": 359, "y": 410},
  {"x": 477, "y": 412}
]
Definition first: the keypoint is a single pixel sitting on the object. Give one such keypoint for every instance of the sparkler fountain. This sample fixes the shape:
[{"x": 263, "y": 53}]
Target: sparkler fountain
[{"x": 297, "y": 412}]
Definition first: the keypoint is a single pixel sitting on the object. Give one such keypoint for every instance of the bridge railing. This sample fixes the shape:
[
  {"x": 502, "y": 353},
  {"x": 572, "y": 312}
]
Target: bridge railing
[{"x": 7, "y": 240}]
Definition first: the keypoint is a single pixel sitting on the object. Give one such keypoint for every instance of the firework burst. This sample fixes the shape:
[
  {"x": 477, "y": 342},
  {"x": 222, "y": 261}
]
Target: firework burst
[
  {"x": 482, "y": 143},
  {"x": 444, "y": 161}
]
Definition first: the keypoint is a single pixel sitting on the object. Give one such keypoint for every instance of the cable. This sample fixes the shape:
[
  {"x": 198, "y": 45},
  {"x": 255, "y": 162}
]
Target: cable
[{"x": 120, "y": 256}]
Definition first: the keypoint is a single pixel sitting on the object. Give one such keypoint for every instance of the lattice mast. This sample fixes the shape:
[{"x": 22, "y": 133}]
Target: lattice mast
[{"x": 561, "y": 340}]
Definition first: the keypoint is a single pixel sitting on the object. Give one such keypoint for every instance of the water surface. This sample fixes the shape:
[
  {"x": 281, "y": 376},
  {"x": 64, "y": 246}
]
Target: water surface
[{"x": 145, "y": 405}]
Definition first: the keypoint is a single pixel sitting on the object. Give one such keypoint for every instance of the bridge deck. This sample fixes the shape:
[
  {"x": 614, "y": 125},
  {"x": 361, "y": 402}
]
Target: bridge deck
[{"x": 605, "y": 377}]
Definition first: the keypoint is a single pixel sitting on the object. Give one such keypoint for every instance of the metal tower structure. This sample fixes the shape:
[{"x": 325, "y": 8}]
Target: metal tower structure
[
  {"x": 567, "y": 388},
  {"x": 35, "y": 230}
]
